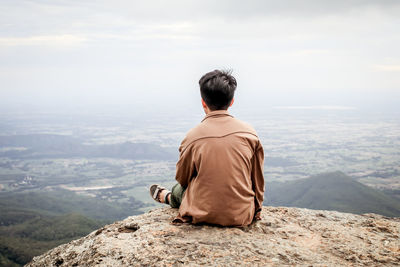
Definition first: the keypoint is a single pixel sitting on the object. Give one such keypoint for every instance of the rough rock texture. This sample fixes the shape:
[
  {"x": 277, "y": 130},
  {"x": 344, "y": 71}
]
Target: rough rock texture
[{"x": 284, "y": 236}]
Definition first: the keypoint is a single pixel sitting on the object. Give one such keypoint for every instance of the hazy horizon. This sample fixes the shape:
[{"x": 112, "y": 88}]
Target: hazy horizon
[{"x": 139, "y": 56}]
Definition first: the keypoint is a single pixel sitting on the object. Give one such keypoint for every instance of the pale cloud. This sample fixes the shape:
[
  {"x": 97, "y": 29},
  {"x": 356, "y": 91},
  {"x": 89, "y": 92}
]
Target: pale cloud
[
  {"x": 387, "y": 68},
  {"x": 316, "y": 107},
  {"x": 307, "y": 52},
  {"x": 43, "y": 40},
  {"x": 135, "y": 49}
]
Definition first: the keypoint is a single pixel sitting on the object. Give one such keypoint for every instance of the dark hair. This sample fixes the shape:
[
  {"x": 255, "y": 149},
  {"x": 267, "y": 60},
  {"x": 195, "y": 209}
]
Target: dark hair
[{"x": 217, "y": 89}]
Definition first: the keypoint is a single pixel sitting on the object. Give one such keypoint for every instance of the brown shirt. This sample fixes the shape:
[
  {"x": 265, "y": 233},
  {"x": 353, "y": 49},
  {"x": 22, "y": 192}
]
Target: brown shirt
[{"x": 221, "y": 164}]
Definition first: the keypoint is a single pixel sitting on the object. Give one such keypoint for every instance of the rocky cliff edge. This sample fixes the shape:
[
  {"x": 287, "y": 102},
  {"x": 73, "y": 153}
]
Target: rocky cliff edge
[{"x": 284, "y": 236}]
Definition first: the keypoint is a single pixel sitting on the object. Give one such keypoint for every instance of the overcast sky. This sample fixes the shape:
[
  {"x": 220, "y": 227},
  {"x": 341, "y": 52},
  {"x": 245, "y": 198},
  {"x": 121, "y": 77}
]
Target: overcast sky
[{"x": 63, "y": 54}]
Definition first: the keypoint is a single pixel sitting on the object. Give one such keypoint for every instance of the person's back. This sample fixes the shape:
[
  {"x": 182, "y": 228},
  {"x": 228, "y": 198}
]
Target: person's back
[{"x": 220, "y": 169}]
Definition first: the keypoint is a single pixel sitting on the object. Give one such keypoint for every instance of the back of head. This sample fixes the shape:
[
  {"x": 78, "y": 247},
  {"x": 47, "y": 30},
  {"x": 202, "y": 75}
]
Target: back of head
[{"x": 217, "y": 89}]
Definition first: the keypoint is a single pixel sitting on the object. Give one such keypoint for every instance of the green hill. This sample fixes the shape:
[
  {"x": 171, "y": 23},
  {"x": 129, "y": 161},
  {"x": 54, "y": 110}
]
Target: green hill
[
  {"x": 20, "y": 242},
  {"x": 32, "y": 223},
  {"x": 331, "y": 191},
  {"x": 16, "y": 207}
]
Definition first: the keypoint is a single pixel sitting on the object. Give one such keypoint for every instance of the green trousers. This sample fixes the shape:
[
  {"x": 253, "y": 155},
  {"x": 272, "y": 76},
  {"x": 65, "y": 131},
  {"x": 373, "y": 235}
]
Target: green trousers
[{"x": 176, "y": 195}]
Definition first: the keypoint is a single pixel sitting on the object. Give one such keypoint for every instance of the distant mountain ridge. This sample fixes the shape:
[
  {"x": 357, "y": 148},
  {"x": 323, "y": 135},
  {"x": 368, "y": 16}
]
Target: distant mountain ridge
[
  {"x": 53, "y": 145},
  {"x": 331, "y": 191}
]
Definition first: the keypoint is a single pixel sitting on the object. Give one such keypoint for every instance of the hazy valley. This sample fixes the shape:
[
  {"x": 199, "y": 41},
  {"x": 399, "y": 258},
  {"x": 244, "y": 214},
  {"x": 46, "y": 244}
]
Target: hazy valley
[{"x": 97, "y": 169}]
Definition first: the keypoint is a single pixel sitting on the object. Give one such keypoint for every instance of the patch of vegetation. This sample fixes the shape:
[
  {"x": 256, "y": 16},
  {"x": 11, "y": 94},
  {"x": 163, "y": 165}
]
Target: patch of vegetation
[
  {"x": 32, "y": 223},
  {"x": 392, "y": 192},
  {"x": 60, "y": 202},
  {"x": 21, "y": 242}
]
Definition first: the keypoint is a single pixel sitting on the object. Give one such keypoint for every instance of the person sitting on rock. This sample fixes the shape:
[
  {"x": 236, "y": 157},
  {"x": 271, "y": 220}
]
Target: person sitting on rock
[{"x": 220, "y": 167}]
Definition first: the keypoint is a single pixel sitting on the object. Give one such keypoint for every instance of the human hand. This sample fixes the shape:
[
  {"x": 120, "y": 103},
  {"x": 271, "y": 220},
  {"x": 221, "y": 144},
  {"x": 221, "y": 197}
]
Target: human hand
[{"x": 257, "y": 216}]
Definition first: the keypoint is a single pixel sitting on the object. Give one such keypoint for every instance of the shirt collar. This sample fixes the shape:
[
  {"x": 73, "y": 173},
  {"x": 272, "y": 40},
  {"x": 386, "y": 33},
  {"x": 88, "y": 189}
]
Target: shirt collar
[{"x": 217, "y": 113}]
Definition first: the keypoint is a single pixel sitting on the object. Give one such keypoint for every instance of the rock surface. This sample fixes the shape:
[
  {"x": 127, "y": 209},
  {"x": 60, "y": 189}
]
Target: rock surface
[{"x": 284, "y": 236}]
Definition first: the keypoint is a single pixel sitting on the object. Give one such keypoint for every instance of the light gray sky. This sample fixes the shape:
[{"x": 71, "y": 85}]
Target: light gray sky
[{"x": 72, "y": 54}]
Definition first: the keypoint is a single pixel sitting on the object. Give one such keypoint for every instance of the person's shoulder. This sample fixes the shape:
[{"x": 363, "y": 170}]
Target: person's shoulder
[
  {"x": 251, "y": 134},
  {"x": 192, "y": 135},
  {"x": 245, "y": 126},
  {"x": 205, "y": 129},
  {"x": 233, "y": 125}
]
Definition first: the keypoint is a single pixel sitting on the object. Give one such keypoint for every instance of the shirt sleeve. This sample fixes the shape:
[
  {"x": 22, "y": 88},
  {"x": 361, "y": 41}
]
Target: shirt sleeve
[
  {"x": 185, "y": 167},
  {"x": 257, "y": 177}
]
